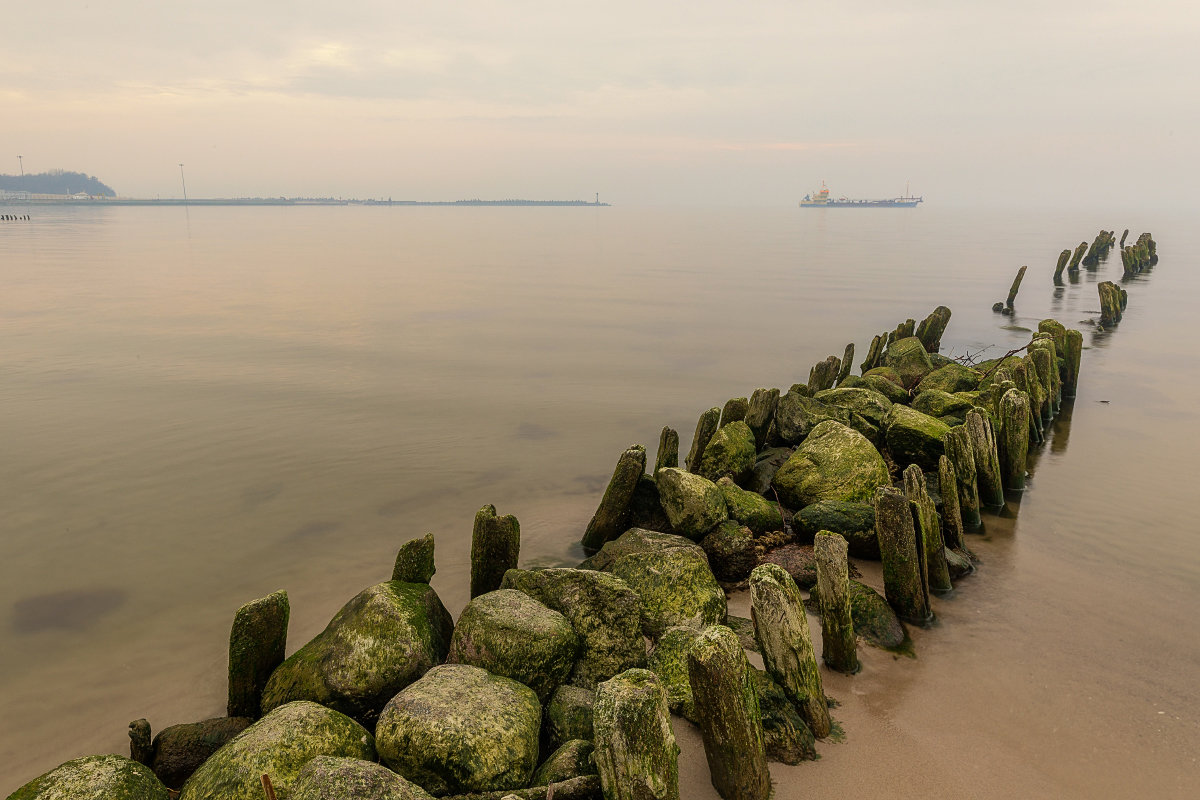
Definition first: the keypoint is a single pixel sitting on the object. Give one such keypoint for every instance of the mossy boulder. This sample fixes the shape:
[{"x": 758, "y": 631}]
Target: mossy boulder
[
  {"x": 951, "y": 378},
  {"x": 106, "y": 777},
  {"x": 567, "y": 716},
  {"x": 508, "y": 633},
  {"x": 637, "y": 540},
  {"x": 572, "y": 759},
  {"x": 676, "y": 587},
  {"x": 330, "y": 778},
  {"x": 855, "y": 522},
  {"x": 729, "y": 452},
  {"x": 937, "y": 403},
  {"x": 179, "y": 750},
  {"x": 797, "y": 414},
  {"x": 693, "y": 503},
  {"x": 414, "y": 561},
  {"x": 915, "y": 438},
  {"x": 669, "y": 661},
  {"x": 751, "y": 509},
  {"x": 280, "y": 745},
  {"x": 730, "y": 551},
  {"x": 604, "y": 611},
  {"x": 869, "y": 404},
  {"x": 461, "y": 729},
  {"x": 874, "y": 619},
  {"x": 909, "y": 359},
  {"x": 834, "y": 463},
  {"x": 765, "y": 466},
  {"x": 381, "y": 641},
  {"x": 885, "y": 381}
]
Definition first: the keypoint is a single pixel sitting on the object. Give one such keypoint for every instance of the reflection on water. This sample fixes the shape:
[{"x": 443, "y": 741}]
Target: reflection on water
[{"x": 284, "y": 398}]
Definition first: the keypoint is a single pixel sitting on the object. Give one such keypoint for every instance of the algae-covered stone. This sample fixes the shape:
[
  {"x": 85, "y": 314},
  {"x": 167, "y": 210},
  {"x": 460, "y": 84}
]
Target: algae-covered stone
[
  {"x": 461, "y": 729},
  {"x": 280, "y": 745},
  {"x": 797, "y": 415},
  {"x": 787, "y": 737},
  {"x": 414, "y": 562},
  {"x": 937, "y": 403},
  {"x": 915, "y": 438},
  {"x": 833, "y": 463},
  {"x": 761, "y": 412},
  {"x": 495, "y": 547},
  {"x": 909, "y": 359},
  {"x": 572, "y": 759},
  {"x": 693, "y": 504},
  {"x": 765, "y": 466},
  {"x": 874, "y": 619},
  {"x": 706, "y": 426},
  {"x": 331, "y": 778},
  {"x": 730, "y": 551},
  {"x": 838, "y": 649},
  {"x": 257, "y": 645},
  {"x": 179, "y": 750},
  {"x": 612, "y": 516},
  {"x": 604, "y": 611},
  {"x": 735, "y": 409},
  {"x": 381, "y": 641},
  {"x": 508, "y": 633},
  {"x": 106, "y": 777},
  {"x": 567, "y": 716},
  {"x": 638, "y": 540},
  {"x": 885, "y": 381},
  {"x": 668, "y": 660},
  {"x": 867, "y": 403},
  {"x": 730, "y": 452},
  {"x": 951, "y": 378},
  {"x": 636, "y": 754},
  {"x": 676, "y": 587},
  {"x": 855, "y": 522},
  {"x": 751, "y": 509},
  {"x": 668, "y": 449}
]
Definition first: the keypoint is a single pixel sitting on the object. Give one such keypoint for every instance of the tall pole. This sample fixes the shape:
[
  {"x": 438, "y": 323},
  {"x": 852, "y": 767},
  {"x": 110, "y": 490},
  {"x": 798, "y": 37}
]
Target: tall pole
[
  {"x": 184, "y": 182},
  {"x": 21, "y": 161}
]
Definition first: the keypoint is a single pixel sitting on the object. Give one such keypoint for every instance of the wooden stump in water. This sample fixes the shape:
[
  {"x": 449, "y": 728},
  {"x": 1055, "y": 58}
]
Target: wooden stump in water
[
  {"x": 1074, "y": 354},
  {"x": 706, "y": 426},
  {"x": 760, "y": 413},
  {"x": 140, "y": 747},
  {"x": 257, "y": 643},
  {"x": 495, "y": 546},
  {"x": 839, "y": 648},
  {"x": 636, "y": 754},
  {"x": 1076, "y": 256},
  {"x": 874, "y": 354},
  {"x": 668, "y": 450},
  {"x": 1014, "y": 438},
  {"x": 1016, "y": 285},
  {"x": 612, "y": 516},
  {"x": 928, "y": 531},
  {"x": 952, "y": 521},
  {"x": 823, "y": 374},
  {"x": 1063, "y": 257},
  {"x": 728, "y": 715},
  {"x": 847, "y": 364},
  {"x": 957, "y": 444},
  {"x": 904, "y": 584},
  {"x": 987, "y": 458},
  {"x": 932, "y": 327}
]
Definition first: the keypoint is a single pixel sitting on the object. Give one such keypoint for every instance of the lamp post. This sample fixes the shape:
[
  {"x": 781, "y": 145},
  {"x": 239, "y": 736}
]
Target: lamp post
[
  {"x": 21, "y": 161},
  {"x": 184, "y": 182}
]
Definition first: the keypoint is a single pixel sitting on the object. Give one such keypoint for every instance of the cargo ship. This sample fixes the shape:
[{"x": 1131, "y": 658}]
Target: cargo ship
[{"x": 822, "y": 199}]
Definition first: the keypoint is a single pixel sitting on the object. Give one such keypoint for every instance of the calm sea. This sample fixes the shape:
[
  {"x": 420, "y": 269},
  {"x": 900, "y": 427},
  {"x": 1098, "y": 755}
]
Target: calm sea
[{"x": 201, "y": 407}]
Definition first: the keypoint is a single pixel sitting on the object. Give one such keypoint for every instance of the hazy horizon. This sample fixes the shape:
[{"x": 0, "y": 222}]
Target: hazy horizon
[{"x": 1054, "y": 104}]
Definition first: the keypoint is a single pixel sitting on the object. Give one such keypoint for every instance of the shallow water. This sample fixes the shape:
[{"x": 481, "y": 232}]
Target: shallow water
[{"x": 201, "y": 408}]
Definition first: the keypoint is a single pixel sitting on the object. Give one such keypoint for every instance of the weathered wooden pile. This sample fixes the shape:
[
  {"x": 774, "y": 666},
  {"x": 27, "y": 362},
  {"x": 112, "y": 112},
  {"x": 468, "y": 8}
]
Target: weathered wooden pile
[{"x": 560, "y": 682}]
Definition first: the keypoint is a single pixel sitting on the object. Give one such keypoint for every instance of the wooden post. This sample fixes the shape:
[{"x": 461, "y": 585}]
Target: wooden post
[
  {"x": 495, "y": 546},
  {"x": 1016, "y": 285},
  {"x": 612, "y": 516},
  {"x": 928, "y": 530},
  {"x": 257, "y": 643},
  {"x": 839, "y": 649},
  {"x": 957, "y": 444},
  {"x": 706, "y": 426},
  {"x": 987, "y": 458},
  {"x": 1014, "y": 437},
  {"x": 635, "y": 754},
  {"x": 904, "y": 583},
  {"x": 952, "y": 521}
]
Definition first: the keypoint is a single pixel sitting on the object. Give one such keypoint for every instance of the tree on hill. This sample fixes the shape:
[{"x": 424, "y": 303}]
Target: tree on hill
[{"x": 56, "y": 182}]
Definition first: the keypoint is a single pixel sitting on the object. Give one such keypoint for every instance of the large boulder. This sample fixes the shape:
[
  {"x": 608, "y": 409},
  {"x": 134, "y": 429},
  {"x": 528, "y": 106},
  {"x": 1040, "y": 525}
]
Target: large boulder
[
  {"x": 460, "y": 729},
  {"x": 796, "y": 416},
  {"x": 179, "y": 750},
  {"x": 567, "y": 716},
  {"x": 887, "y": 382},
  {"x": 676, "y": 587},
  {"x": 953, "y": 377},
  {"x": 669, "y": 661},
  {"x": 731, "y": 552},
  {"x": 693, "y": 503},
  {"x": 909, "y": 359},
  {"x": 385, "y": 638},
  {"x": 833, "y": 463},
  {"x": 867, "y": 403},
  {"x": 604, "y": 611},
  {"x": 798, "y": 560},
  {"x": 637, "y": 540},
  {"x": 855, "y": 522},
  {"x": 509, "y": 633},
  {"x": 729, "y": 452},
  {"x": 915, "y": 438},
  {"x": 330, "y": 778},
  {"x": 751, "y": 509},
  {"x": 937, "y": 403},
  {"x": 279, "y": 745},
  {"x": 106, "y": 777}
]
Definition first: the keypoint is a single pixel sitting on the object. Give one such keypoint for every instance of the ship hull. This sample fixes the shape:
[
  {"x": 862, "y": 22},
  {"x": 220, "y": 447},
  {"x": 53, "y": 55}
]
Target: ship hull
[{"x": 861, "y": 204}]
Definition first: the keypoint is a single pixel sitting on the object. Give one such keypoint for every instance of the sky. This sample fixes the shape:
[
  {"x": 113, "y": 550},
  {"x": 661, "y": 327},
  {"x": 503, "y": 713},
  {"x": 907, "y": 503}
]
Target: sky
[{"x": 658, "y": 103}]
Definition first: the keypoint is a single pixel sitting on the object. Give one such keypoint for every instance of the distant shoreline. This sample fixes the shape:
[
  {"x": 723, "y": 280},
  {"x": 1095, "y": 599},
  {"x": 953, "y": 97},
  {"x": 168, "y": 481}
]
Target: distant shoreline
[{"x": 285, "y": 201}]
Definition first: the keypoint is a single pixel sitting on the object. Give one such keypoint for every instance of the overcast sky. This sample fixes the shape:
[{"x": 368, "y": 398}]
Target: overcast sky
[{"x": 645, "y": 102}]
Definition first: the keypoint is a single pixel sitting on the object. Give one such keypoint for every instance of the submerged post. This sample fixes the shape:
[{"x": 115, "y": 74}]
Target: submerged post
[
  {"x": 1063, "y": 257},
  {"x": 957, "y": 444},
  {"x": 495, "y": 546},
  {"x": 1014, "y": 434},
  {"x": 839, "y": 648},
  {"x": 668, "y": 450},
  {"x": 952, "y": 521},
  {"x": 987, "y": 458},
  {"x": 904, "y": 583},
  {"x": 1016, "y": 285},
  {"x": 928, "y": 531}
]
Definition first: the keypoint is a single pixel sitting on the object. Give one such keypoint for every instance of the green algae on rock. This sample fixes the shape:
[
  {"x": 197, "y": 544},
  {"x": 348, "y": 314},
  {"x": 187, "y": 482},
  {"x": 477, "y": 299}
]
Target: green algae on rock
[
  {"x": 604, "y": 611},
  {"x": 854, "y": 522},
  {"x": 104, "y": 777},
  {"x": 874, "y": 620},
  {"x": 612, "y": 516},
  {"x": 797, "y": 414},
  {"x": 461, "y": 729},
  {"x": 636, "y": 754},
  {"x": 731, "y": 552},
  {"x": 936, "y": 403},
  {"x": 571, "y": 760},
  {"x": 495, "y": 546},
  {"x": 280, "y": 745},
  {"x": 760, "y": 413},
  {"x": 909, "y": 359},
  {"x": 510, "y": 634},
  {"x": 693, "y": 503},
  {"x": 414, "y": 561},
  {"x": 950, "y": 378},
  {"x": 751, "y": 509},
  {"x": 676, "y": 587},
  {"x": 730, "y": 452},
  {"x": 179, "y": 750},
  {"x": 833, "y": 463},
  {"x": 638, "y": 540},
  {"x": 257, "y": 644},
  {"x": 915, "y": 438},
  {"x": 785, "y": 734},
  {"x": 330, "y": 778},
  {"x": 385, "y": 638},
  {"x": 567, "y": 716},
  {"x": 668, "y": 660}
]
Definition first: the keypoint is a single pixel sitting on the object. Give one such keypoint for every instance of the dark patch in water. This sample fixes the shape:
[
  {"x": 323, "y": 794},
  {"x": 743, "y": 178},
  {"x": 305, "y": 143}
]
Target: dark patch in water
[
  {"x": 71, "y": 609},
  {"x": 590, "y": 484},
  {"x": 534, "y": 432},
  {"x": 256, "y": 496},
  {"x": 313, "y": 529}
]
